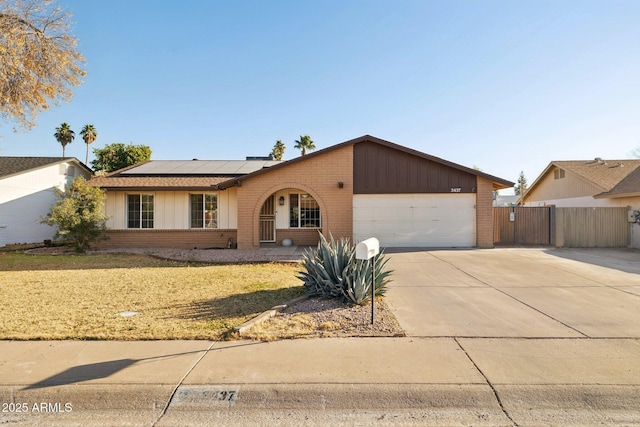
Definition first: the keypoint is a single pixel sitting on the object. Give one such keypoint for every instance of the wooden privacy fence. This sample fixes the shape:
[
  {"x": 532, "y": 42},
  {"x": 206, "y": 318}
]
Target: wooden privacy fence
[
  {"x": 562, "y": 227},
  {"x": 592, "y": 227},
  {"x": 517, "y": 225}
]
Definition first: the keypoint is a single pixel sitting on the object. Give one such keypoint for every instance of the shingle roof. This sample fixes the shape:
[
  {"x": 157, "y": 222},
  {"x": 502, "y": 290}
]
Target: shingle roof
[
  {"x": 629, "y": 186},
  {"x": 156, "y": 182},
  {"x": 178, "y": 174},
  {"x": 614, "y": 178},
  {"x": 605, "y": 174},
  {"x": 15, "y": 165}
]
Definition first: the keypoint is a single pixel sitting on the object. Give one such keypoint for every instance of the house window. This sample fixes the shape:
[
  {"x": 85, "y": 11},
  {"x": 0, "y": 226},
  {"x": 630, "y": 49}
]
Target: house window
[
  {"x": 140, "y": 211},
  {"x": 204, "y": 210},
  {"x": 304, "y": 211},
  {"x": 558, "y": 173}
]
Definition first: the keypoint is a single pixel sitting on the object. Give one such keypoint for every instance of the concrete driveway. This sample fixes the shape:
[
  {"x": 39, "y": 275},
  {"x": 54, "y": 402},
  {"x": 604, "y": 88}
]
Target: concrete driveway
[{"x": 525, "y": 293}]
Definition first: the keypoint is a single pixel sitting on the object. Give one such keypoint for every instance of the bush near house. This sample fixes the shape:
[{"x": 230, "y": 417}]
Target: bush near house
[
  {"x": 332, "y": 271},
  {"x": 79, "y": 215}
]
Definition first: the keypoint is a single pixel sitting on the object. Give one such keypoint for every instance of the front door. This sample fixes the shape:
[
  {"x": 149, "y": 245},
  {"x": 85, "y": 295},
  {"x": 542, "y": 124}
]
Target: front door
[{"x": 267, "y": 227}]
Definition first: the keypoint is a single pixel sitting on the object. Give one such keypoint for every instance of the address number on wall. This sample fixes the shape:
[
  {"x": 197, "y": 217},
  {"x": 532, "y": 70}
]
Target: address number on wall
[{"x": 456, "y": 190}]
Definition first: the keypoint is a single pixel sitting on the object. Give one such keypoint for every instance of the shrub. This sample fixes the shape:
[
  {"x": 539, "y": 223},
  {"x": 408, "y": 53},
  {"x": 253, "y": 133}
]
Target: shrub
[
  {"x": 332, "y": 271},
  {"x": 78, "y": 214}
]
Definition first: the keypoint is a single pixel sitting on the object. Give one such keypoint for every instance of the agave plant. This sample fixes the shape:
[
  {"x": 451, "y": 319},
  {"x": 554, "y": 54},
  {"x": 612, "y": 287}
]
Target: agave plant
[
  {"x": 326, "y": 267},
  {"x": 332, "y": 271},
  {"x": 358, "y": 287}
]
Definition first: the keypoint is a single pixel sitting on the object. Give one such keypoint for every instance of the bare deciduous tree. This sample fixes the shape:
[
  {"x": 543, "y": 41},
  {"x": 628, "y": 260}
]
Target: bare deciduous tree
[{"x": 39, "y": 63}]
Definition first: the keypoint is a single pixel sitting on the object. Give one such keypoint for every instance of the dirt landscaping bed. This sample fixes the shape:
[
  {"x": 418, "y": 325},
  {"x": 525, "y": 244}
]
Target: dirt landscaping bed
[{"x": 318, "y": 318}]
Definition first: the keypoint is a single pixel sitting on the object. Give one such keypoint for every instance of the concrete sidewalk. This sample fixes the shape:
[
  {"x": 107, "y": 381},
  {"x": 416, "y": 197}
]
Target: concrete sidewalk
[{"x": 357, "y": 381}]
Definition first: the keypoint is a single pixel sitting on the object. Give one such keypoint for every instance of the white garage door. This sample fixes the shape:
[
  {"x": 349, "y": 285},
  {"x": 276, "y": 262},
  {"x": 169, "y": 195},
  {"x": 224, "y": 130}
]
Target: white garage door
[{"x": 418, "y": 220}]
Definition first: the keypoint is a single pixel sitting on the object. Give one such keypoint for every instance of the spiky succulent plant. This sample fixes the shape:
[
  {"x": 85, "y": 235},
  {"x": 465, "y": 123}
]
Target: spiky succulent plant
[{"x": 332, "y": 271}]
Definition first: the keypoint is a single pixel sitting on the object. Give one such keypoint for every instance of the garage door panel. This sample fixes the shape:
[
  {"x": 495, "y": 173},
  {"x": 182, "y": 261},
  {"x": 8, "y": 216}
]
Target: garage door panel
[
  {"x": 395, "y": 214},
  {"x": 440, "y": 220}
]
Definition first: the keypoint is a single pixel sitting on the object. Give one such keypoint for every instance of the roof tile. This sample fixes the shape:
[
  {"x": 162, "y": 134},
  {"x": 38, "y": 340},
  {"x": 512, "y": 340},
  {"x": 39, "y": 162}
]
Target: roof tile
[
  {"x": 605, "y": 174},
  {"x": 15, "y": 165},
  {"x": 141, "y": 182}
]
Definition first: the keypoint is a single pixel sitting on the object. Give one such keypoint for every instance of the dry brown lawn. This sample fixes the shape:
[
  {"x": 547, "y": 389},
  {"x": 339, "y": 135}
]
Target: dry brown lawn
[{"x": 81, "y": 296}]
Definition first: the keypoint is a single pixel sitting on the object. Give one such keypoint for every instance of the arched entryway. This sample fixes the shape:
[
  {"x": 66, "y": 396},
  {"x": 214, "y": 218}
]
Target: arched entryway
[
  {"x": 290, "y": 213},
  {"x": 267, "y": 227}
]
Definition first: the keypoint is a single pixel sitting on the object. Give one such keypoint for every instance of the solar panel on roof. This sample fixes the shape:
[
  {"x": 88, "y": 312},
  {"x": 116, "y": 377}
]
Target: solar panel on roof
[{"x": 200, "y": 167}]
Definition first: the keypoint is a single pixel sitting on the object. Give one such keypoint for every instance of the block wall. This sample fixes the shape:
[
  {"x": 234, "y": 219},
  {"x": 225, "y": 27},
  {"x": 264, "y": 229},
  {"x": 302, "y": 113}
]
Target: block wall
[
  {"x": 484, "y": 213},
  {"x": 185, "y": 239}
]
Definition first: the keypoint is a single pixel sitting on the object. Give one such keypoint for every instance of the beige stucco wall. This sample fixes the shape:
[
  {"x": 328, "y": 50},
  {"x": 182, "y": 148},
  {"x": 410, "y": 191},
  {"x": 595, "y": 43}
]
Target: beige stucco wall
[
  {"x": 589, "y": 202},
  {"x": 318, "y": 176},
  {"x": 550, "y": 188}
]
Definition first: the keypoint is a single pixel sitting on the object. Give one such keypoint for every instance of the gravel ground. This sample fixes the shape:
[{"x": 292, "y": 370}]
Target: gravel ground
[
  {"x": 347, "y": 320},
  {"x": 274, "y": 254}
]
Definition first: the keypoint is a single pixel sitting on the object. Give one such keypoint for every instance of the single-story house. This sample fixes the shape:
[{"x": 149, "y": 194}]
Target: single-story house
[
  {"x": 587, "y": 183},
  {"x": 358, "y": 189},
  {"x": 27, "y": 191}
]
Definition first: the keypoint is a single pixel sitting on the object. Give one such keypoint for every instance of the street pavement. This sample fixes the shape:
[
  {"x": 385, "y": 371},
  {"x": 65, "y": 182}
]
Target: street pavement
[{"x": 495, "y": 337}]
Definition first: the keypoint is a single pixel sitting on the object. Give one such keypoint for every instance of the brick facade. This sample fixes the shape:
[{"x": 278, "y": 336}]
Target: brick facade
[
  {"x": 186, "y": 239},
  {"x": 484, "y": 213},
  {"x": 319, "y": 176},
  {"x": 301, "y": 236}
]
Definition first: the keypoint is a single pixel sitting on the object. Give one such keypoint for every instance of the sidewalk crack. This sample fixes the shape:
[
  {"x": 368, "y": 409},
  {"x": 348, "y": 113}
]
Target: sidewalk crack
[
  {"x": 493, "y": 389},
  {"x": 175, "y": 389}
]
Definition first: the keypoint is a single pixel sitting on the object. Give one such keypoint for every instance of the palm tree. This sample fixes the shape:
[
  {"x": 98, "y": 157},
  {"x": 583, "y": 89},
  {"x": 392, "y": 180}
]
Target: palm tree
[
  {"x": 64, "y": 135},
  {"x": 89, "y": 134},
  {"x": 278, "y": 150},
  {"x": 304, "y": 143}
]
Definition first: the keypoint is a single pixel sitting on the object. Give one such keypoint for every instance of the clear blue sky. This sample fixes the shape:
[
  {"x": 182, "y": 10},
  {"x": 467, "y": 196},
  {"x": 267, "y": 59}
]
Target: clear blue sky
[{"x": 502, "y": 85}]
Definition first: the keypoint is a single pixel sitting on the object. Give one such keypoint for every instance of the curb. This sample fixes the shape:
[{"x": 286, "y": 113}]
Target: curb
[{"x": 266, "y": 315}]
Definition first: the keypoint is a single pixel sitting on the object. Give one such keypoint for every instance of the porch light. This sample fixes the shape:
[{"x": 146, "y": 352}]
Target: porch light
[
  {"x": 340, "y": 184},
  {"x": 281, "y": 201}
]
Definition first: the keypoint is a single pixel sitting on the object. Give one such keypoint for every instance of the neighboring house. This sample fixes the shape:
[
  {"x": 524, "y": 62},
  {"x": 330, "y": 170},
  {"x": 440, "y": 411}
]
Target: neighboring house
[
  {"x": 358, "y": 189},
  {"x": 27, "y": 191},
  {"x": 587, "y": 183},
  {"x": 590, "y": 184}
]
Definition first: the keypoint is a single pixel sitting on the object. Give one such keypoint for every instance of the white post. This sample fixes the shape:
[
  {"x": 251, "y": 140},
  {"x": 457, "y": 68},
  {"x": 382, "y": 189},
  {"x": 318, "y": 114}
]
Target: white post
[{"x": 365, "y": 250}]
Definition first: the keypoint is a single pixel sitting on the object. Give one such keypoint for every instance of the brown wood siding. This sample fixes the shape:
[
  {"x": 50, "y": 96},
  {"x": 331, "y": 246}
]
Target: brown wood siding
[{"x": 378, "y": 169}]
